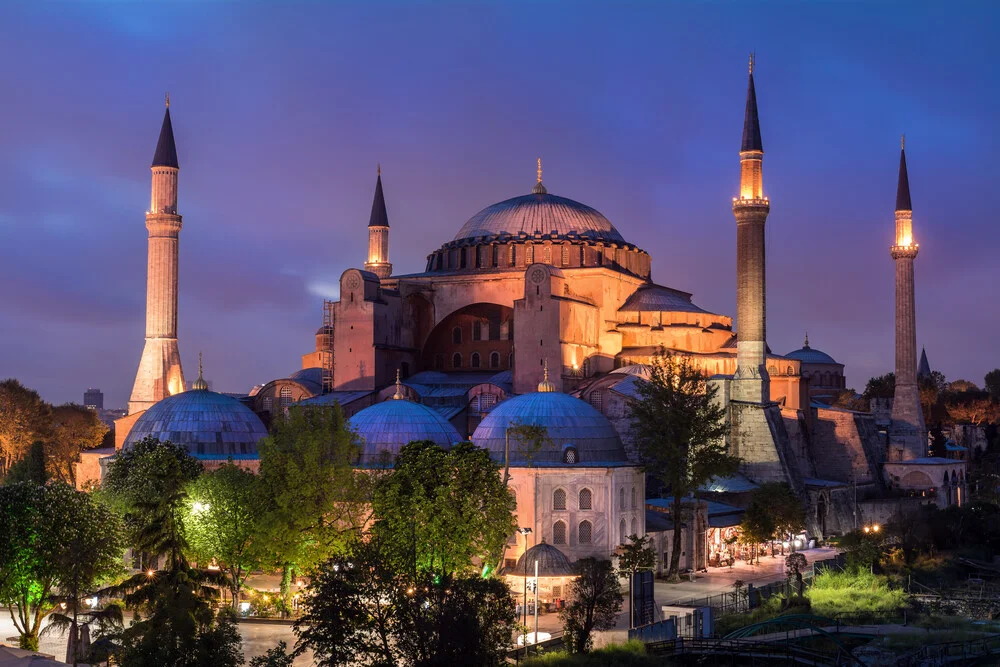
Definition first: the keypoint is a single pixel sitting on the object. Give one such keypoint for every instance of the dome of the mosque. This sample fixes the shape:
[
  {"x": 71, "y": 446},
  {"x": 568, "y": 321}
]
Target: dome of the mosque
[
  {"x": 578, "y": 434},
  {"x": 551, "y": 562},
  {"x": 808, "y": 355},
  {"x": 384, "y": 428},
  {"x": 543, "y": 213},
  {"x": 210, "y": 425},
  {"x": 640, "y": 370}
]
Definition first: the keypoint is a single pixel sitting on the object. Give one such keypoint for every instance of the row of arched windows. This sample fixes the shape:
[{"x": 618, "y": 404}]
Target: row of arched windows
[
  {"x": 475, "y": 360},
  {"x": 622, "y": 535},
  {"x": 621, "y": 498},
  {"x": 584, "y": 533},
  {"x": 586, "y": 498}
]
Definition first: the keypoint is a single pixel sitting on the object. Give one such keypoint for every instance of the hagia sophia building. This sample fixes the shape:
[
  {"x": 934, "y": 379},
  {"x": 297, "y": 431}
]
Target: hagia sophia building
[{"x": 541, "y": 311}]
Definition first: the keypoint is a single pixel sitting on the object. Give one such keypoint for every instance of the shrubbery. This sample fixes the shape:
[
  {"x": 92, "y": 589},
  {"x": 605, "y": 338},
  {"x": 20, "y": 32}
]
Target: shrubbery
[
  {"x": 857, "y": 592},
  {"x": 629, "y": 654}
]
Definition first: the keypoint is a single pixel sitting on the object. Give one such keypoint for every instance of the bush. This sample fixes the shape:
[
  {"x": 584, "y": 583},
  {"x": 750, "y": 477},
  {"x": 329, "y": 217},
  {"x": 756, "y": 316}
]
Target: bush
[
  {"x": 857, "y": 592},
  {"x": 630, "y": 654}
]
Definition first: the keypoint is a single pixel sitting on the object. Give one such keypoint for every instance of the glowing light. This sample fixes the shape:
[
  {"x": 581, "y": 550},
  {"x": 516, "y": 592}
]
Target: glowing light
[
  {"x": 245, "y": 607},
  {"x": 150, "y": 573},
  {"x": 876, "y": 527},
  {"x": 92, "y": 602},
  {"x": 198, "y": 508}
]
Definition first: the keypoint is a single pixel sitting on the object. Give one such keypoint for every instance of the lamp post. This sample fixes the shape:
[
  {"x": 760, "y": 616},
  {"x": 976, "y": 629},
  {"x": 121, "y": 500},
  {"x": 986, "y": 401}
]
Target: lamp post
[{"x": 525, "y": 531}]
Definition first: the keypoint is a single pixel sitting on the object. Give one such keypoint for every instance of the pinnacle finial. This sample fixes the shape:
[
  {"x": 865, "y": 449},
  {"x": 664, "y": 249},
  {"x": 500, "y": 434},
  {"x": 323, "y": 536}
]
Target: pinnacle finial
[
  {"x": 399, "y": 387},
  {"x": 806, "y": 344},
  {"x": 545, "y": 385},
  {"x": 751, "y": 61},
  {"x": 545, "y": 369},
  {"x": 379, "y": 169},
  {"x": 200, "y": 367},
  {"x": 200, "y": 384},
  {"x": 539, "y": 189},
  {"x": 539, "y": 170},
  {"x": 167, "y": 99},
  {"x": 902, "y": 142}
]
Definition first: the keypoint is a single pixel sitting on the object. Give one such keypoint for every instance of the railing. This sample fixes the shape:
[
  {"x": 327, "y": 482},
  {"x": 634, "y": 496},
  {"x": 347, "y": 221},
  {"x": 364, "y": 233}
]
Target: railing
[
  {"x": 755, "y": 649},
  {"x": 951, "y": 651}
]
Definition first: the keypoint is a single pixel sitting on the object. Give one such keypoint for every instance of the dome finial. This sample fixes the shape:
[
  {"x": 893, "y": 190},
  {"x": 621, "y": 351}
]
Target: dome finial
[
  {"x": 379, "y": 168},
  {"x": 902, "y": 142},
  {"x": 545, "y": 385},
  {"x": 539, "y": 189},
  {"x": 167, "y": 99},
  {"x": 200, "y": 384},
  {"x": 806, "y": 344},
  {"x": 399, "y": 388},
  {"x": 751, "y": 61}
]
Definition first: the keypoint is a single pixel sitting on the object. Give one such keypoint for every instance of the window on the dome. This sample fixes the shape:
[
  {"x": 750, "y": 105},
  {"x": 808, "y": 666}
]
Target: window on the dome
[
  {"x": 586, "y": 532},
  {"x": 529, "y": 254},
  {"x": 558, "y": 499},
  {"x": 496, "y": 256},
  {"x": 565, "y": 255},
  {"x": 586, "y": 499},
  {"x": 267, "y": 404},
  {"x": 286, "y": 397},
  {"x": 570, "y": 455},
  {"x": 559, "y": 533},
  {"x": 547, "y": 254}
]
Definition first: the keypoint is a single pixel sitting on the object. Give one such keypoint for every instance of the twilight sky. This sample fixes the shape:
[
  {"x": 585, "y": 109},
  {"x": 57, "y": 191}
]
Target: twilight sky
[{"x": 281, "y": 112}]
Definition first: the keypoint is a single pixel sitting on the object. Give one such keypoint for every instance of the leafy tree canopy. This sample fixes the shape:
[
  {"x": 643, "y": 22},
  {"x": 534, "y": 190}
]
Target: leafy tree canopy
[
  {"x": 992, "y": 383},
  {"x": 596, "y": 602},
  {"x": 74, "y": 429},
  {"x": 24, "y": 419}
]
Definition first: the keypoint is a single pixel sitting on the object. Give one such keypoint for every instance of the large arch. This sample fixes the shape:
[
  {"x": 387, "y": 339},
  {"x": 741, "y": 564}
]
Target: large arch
[
  {"x": 916, "y": 479},
  {"x": 485, "y": 328}
]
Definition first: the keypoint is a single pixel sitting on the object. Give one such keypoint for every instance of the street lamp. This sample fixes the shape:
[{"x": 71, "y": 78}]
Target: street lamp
[{"x": 526, "y": 530}]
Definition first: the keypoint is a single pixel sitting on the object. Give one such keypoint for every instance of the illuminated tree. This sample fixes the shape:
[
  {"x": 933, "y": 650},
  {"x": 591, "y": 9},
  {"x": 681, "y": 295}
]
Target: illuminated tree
[
  {"x": 678, "y": 428},
  {"x": 24, "y": 419},
  {"x": 74, "y": 429},
  {"x": 224, "y": 512},
  {"x": 992, "y": 383},
  {"x": 596, "y": 602}
]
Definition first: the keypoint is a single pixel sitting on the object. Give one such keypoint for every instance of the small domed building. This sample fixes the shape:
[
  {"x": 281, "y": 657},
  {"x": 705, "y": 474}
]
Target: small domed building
[
  {"x": 578, "y": 491},
  {"x": 824, "y": 374}
]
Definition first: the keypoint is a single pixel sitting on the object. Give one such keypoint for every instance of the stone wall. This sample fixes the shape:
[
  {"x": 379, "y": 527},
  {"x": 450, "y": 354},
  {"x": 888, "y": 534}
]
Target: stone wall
[{"x": 845, "y": 446}]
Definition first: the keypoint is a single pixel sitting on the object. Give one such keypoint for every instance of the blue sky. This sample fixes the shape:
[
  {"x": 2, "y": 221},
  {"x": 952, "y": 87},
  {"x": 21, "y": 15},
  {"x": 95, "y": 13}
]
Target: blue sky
[{"x": 282, "y": 110}]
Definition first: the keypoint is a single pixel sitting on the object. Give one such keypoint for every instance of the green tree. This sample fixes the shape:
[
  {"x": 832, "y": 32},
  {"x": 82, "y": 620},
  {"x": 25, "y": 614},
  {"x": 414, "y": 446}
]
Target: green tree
[
  {"x": 785, "y": 509},
  {"x": 679, "y": 430},
  {"x": 444, "y": 511},
  {"x": 30, "y": 467},
  {"x": 883, "y": 386},
  {"x": 225, "y": 508},
  {"x": 275, "y": 657},
  {"x": 74, "y": 429},
  {"x": 596, "y": 602},
  {"x": 315, "y": 502},
  {"x": 795, "y": 565},
  {"x": 757, "y": 527},
  {"x": 51, "y": 536},
  {"x": 991, "y": 383},
  {"x": 636, "y": 555},
  {"x": 24, "y": 419}
]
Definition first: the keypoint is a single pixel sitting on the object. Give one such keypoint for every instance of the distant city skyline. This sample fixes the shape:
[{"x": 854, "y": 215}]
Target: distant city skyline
[{"x": 281, "y": 113}]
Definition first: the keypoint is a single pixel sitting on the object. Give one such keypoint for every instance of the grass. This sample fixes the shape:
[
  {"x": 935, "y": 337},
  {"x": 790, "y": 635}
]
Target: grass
[
  {"x": 629, "y": 654},
  {"x": 854, "y": 593}
]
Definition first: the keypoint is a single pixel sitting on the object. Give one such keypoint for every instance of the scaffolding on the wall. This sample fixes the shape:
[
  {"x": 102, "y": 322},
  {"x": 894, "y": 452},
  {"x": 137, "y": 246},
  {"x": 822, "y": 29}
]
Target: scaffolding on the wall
[{"x": 326, "y": 360}]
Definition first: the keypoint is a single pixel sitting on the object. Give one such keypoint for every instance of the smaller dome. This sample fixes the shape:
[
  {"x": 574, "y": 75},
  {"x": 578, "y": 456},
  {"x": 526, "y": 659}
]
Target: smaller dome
[
  {"x": 210, "y": 425},
  {"x": 808, "y": 355},
  {"x": 551, "y": 562},
  {"x": 384, "y": 428}
]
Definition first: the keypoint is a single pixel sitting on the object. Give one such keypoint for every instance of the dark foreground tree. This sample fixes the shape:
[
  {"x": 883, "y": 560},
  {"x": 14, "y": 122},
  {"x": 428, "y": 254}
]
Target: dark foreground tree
[
  {"x": 783, "y": 508},
  {"x": 679, "y": 430},
  {"x": 596, "y": 602},
  {"x": 991, "y": 383},
  {"x": 275, "y": 657},
  {"x": 361, "y": 610},
  {"x": 636, "y": 555},
  {"x": 795, "y": 565}
]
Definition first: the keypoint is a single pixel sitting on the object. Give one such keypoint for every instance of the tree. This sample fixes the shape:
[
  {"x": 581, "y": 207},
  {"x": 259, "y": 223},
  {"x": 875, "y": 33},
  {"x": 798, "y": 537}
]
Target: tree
[
  {"x": 275, "y": 657},
  {"x": 30, "y": 467},
  {"x": 972, "y": 407},
  {"x": 224, "y": 510},
  {"x": 991, "y": 383},
  {"x": 957, "y": 386},
  {"x": 74, "y": 429},
  {"x": 636, "y": 555},
  {"x": 678, "y": 428},
  {"x": 883, "y": 386},
  {"x": 848, "y": 399},
  {"x": 757, "y": 527},
  {"x": 785, "y": 509},
  {"x": 795, "y": 564},
  {"x": 315, "y": 501},
  {"x": 362, "y": 609},
  {"x": 51, "y": 536},
  {"x": 24, "y": 419},
  {"x": 596, "y": 602},
  {"x": 442, "y": 511}
]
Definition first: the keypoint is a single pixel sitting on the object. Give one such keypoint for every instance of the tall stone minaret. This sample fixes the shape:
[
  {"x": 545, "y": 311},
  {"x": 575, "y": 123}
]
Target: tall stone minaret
[
  {"x": 378, "y": 234},
  {"x": 160, "y": 373},
  {"x": 907, "y": 433},
  {"x": 750, "y": 382}
]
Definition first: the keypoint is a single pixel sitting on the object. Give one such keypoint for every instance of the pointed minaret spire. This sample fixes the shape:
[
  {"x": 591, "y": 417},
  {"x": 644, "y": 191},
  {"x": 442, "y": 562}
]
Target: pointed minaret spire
[
  {"x": 378, "y": 233},
  {"x": 166, "y": 150},
  {"x": 903, "y": 185},
  {"x": 751, "y": 123},
  {"x": 924, "y": 368},
  {"x": 539, "y": 189}
]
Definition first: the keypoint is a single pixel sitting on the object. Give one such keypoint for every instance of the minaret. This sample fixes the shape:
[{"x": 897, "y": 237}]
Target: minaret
[
  {"x": 907, "y": 433},
  {"x": 750, "y": 382},
  {"x": 378, "y": 234},
  {"x": 160, "y": 373}
]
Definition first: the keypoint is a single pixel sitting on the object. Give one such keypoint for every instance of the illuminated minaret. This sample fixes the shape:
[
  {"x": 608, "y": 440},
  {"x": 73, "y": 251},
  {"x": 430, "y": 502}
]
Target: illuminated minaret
[
  {"x": 907, "y": 433},
  {"x": 751, "y": 382},
  {"x": 378, "y": 234},
  {"x": 160, "y": 373}
]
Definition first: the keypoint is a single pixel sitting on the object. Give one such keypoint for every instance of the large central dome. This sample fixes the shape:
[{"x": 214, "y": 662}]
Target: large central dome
[{"x": 542, "y": 213}]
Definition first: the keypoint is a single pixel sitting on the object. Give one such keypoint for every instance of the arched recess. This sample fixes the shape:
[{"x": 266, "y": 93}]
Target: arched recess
[
  {"x": 498, "y": 337},
  {"x": 916, "y": 479}
]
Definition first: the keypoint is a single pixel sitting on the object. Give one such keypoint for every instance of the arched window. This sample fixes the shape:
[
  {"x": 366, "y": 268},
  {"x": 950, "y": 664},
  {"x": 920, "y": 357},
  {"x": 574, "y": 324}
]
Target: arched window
[
  {"x": 286, "y": 397},
  {"x": 477, "y": 331},
  {"x": 456, "y": 360},
  {"x": 565, "y": 255},
  {"x": 267, "y": 404},
  {"x": 634, "y": 531},
  {"x": 547, "y": 254},
  {"x": 475, "y": 360},
  {"x": 633, "y": 497},
  {"x": 559, "y": 533},
  {"x": 586, "y": 532},
  {"x": 513, "y": 257},
  {"x": 789, "y": 371},
  {"x": 621, "y": 497},
  {"x": 586, "y": 499},
  {"x": 621, "y": 532},
  {"x": 559, "y": 499},
  {"x": 529, "y": 255},
  {"x": 494, "y": 360},
  {"x": 456, "y": 335},
  {"x": 596, "y": 399}
]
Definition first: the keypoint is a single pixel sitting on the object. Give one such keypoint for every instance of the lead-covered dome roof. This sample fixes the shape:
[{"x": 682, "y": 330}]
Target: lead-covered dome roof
[
  {"x": 808, "y": 355},
  {"x": 210, "y": 425},
  {"x": 384, "y": 428},
  {"x": 569, "y": 422},
  {"x": 543, "y": 213},
  {"x": 551, "y": 562}
]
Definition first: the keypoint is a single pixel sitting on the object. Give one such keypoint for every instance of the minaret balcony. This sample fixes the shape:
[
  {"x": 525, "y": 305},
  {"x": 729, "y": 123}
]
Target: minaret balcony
[
  {"x": 904, "y": 251},
  {"x": 751, "y": 202}
]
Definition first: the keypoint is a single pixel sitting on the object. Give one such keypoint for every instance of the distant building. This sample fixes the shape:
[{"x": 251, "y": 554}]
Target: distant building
[{"x": 93, "y": 399}]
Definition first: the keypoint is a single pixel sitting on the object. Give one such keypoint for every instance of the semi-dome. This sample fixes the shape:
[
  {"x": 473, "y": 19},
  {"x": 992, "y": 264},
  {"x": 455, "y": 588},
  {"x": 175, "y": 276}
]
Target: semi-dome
[
  {"x": 578, "y": 434},
  {"x": 384, "y": 428},
  {"x": 639, "y": 370},
  {"x": 210, "y": 425},
  {"x": 808, "y": 355},
  {"x": 542, "y": 213},
  {"x": 551, "y": 562}
]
